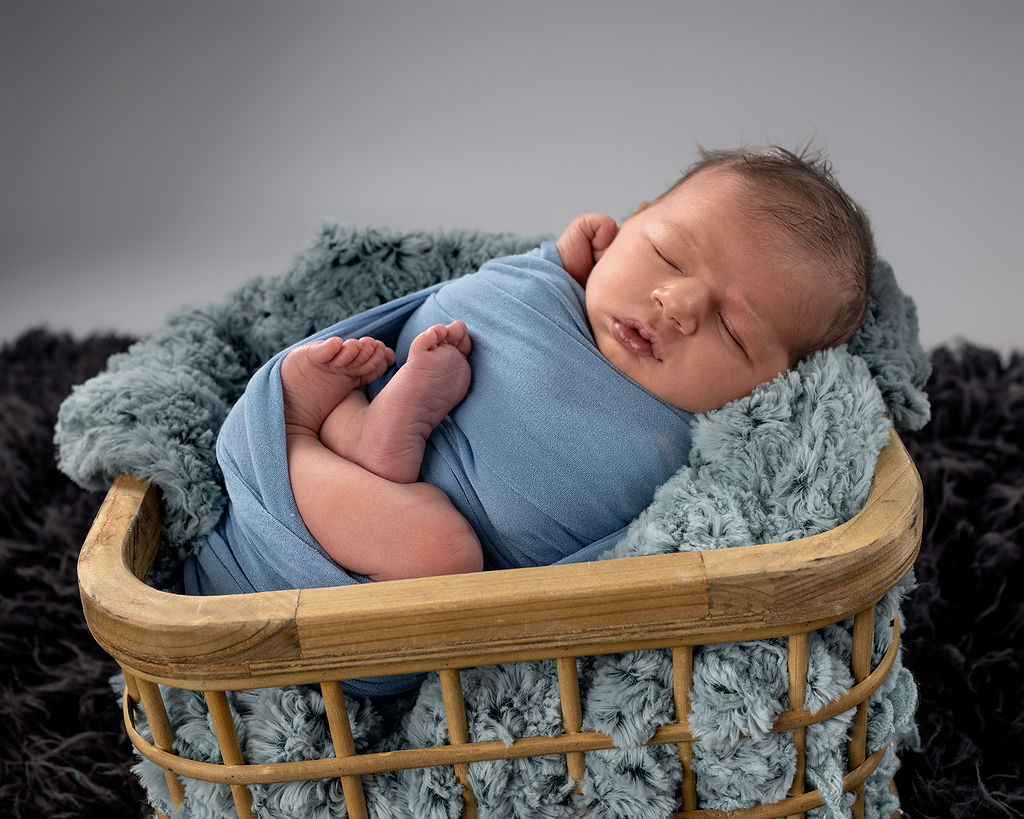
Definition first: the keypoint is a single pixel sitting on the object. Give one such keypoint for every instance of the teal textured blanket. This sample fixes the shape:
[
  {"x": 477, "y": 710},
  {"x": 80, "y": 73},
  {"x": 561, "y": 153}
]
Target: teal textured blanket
[{"x": 793, "y": 459}]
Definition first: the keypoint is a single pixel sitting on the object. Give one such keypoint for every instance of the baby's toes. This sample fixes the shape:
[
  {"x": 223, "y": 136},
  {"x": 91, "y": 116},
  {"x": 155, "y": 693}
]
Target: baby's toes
[
  {"x": 428, "y": 339},
  {"x": 366, "y": 358},
  {"x": 354, "y": 354},
  {"x": 458, "y": 337},
  {"x": 323, "y": 352},
  {"x": 376, "y": 364}
]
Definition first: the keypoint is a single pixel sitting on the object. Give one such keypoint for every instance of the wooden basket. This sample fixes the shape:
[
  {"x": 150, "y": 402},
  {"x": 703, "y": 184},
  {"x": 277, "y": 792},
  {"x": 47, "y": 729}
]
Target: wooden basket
[{"x": 322, "y": 636}]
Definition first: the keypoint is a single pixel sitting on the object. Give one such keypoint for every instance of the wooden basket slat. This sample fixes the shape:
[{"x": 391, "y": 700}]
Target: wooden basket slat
[
  {"x": 669, "y": 602},
  {"x": 504, "y": 616}
]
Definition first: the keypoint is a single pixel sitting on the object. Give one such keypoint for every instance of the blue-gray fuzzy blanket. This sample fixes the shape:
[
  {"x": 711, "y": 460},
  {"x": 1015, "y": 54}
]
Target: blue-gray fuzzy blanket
[{"x": 793, "y": 459}]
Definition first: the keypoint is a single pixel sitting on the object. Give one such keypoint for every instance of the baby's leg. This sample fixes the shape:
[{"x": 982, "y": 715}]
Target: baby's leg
[
  {"x": 389, "y": 435},
  {"x": 375, "y": 527},
  {"x": 316, "y": 377},
  {"x": 367, "y": 523}
]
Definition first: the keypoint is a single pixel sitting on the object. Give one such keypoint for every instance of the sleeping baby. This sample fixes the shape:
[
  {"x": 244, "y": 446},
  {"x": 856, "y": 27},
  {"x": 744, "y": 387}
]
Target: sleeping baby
[{"x": 525, "y": 414}]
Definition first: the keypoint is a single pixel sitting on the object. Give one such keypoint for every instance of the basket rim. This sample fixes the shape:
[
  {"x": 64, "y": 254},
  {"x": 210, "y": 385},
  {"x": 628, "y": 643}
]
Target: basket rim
[{"x": 400, "y": 626}]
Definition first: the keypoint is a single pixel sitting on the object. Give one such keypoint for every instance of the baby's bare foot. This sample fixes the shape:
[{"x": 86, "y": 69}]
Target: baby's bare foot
[
  {"x": 398, "y": 421},
  {"x": 317, "y": 376}
]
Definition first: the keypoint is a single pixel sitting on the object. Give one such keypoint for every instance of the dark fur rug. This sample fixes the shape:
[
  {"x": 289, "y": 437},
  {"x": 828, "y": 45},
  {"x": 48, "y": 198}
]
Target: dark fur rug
[{"x": 63, "y": 751}]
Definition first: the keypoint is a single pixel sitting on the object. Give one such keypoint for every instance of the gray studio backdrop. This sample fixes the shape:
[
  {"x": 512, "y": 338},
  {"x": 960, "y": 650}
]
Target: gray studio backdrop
[{"x": 160, "y": 153}]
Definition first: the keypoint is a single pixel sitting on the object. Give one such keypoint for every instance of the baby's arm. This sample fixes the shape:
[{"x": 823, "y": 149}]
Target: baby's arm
[{"x": 584, "y": 242}]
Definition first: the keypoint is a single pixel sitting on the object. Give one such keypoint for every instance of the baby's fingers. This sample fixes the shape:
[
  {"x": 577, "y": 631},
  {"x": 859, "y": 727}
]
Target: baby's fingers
[
  {"x": 584, "y": 242},
  {"x": 601, "y": 231}
]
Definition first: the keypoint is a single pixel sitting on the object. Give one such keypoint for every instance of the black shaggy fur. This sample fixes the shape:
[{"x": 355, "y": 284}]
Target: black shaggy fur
[
  {"x": 63, "y": 752},
  {"x": 62, "y": 748},
  {"x": 965, "y": 622}
]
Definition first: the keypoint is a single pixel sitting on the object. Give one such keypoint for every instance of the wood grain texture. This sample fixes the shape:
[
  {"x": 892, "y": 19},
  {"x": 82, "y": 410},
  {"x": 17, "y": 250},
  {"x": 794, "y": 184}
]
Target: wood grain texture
[{"x": 298, "y": 636}]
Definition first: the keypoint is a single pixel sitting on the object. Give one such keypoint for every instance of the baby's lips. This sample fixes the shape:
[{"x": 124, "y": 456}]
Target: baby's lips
[
  {"x": 636, "y": 337},
  {"x": 652, "y": 339}
]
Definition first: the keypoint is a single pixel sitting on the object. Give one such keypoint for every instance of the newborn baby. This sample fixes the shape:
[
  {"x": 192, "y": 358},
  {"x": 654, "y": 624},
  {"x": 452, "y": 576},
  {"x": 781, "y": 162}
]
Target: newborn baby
[{"x": 749, "y": 263}]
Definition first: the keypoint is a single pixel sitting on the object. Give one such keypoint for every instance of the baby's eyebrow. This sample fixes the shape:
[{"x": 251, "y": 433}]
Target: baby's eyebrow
[{"x": 675, "y": 236}]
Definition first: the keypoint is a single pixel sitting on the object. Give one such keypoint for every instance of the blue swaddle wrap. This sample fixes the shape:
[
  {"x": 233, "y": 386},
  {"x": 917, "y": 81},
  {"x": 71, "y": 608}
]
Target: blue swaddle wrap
[
  {"x": 554, "y": 451},
  {"x": 260, "y": 542},
  {"x": 550, "y": 456}
]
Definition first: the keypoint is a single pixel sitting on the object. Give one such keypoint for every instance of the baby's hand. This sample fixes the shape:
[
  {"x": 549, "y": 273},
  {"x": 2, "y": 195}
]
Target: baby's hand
[{"x": 584, "y": 242}]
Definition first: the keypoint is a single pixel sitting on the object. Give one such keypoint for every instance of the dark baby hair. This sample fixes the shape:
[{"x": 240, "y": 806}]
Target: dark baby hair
[{"x": 799, "y": 192}]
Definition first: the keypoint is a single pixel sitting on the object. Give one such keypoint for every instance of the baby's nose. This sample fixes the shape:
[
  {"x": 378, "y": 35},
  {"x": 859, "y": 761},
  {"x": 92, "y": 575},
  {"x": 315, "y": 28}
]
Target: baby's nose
[{"x": 684, "y": 302}]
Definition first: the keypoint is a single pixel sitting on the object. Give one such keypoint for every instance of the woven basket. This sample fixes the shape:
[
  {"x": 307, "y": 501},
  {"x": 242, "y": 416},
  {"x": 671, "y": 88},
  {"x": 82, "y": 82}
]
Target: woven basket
[{"x": 322, "y": 636}]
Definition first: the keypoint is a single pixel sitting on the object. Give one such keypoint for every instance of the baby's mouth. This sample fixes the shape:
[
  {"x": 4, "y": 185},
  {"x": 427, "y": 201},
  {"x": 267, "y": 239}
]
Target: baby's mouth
[{"x": 636, "y": 337}]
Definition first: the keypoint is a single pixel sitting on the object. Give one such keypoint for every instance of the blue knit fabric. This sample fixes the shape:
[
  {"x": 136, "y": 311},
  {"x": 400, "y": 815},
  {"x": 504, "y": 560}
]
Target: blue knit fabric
[{"x": 553, "y": 450}]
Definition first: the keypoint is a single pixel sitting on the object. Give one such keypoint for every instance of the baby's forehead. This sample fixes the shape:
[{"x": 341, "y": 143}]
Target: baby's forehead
[{"x": 725, "y": 191}]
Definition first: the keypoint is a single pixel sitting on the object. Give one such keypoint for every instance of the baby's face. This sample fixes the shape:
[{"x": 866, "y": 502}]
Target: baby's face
[{"x": 699, "y": 303}]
